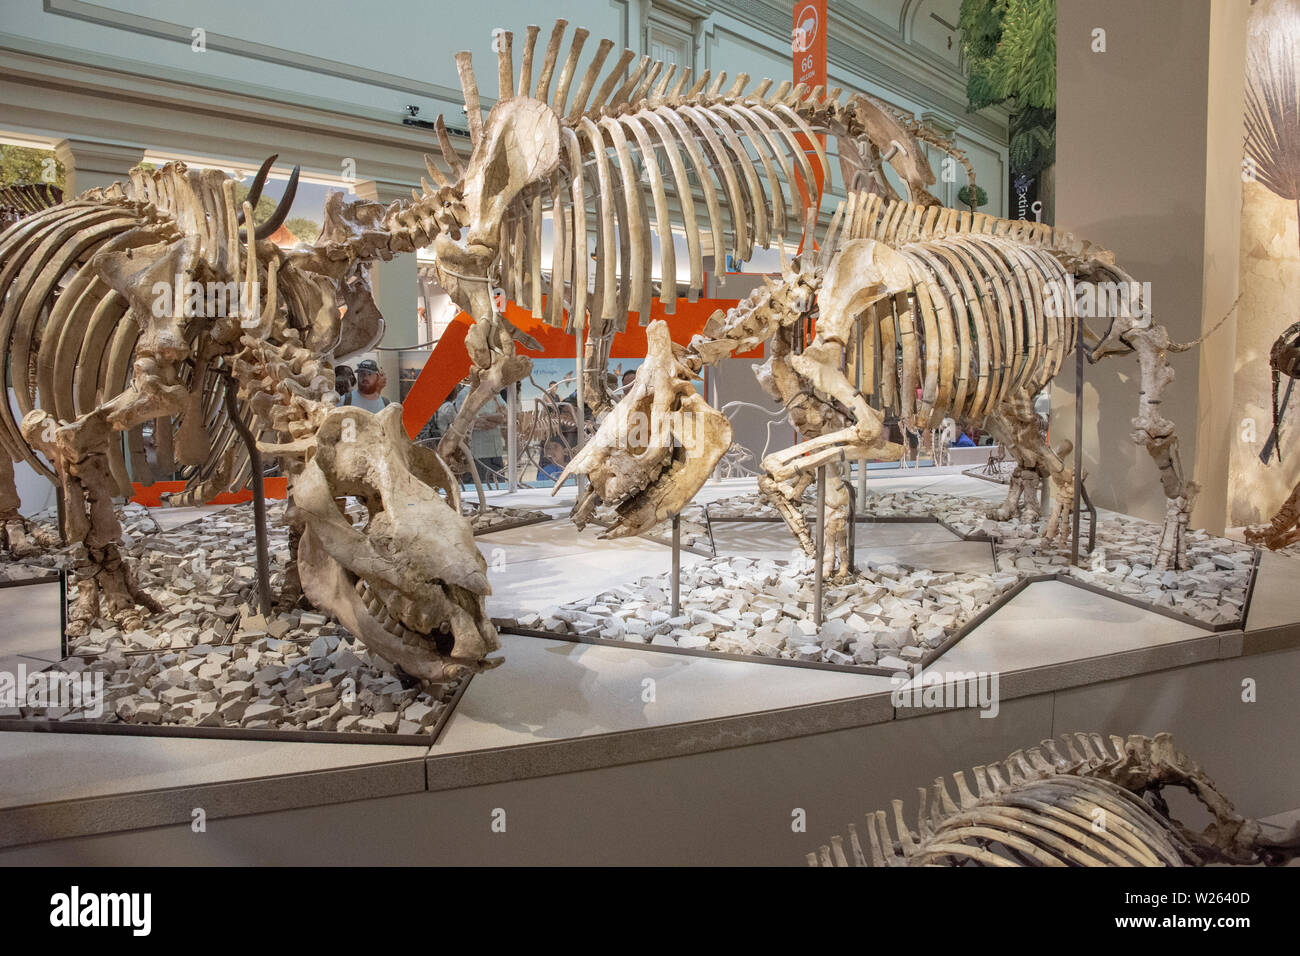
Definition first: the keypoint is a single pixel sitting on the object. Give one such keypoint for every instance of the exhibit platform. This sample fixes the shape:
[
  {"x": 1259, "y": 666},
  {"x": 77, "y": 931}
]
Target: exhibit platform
[{"x": 600, "y": 752}]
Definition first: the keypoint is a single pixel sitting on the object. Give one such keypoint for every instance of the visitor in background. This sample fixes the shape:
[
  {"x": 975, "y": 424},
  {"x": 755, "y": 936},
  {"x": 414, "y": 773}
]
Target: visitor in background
[
  {"x": 345, "y": 380},
  {"x": 440, "y": 424},
  {"x": 486, "y": 443},
  {"x": 628, "y": 378},
  {"x": 553, "y": 460},
  {"x": 370, "y": 382}
]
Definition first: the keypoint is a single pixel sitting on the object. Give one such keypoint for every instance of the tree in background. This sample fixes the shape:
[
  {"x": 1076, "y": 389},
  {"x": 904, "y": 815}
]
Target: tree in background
[
  {"x": 1010, "y": 52},
  {"x": 22, "y": 164},
  {"x": 304, "y": 229},
  {"x": 265, "y": 204}
]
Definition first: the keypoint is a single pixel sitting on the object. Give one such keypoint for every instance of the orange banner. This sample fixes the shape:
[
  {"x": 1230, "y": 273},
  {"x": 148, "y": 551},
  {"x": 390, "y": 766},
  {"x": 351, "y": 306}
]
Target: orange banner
[
  {"x": 808, "y": 46},
  {"x": 151, "y": 495}
]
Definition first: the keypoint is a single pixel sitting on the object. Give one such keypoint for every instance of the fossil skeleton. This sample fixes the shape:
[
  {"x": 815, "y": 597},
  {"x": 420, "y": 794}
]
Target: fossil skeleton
[
  {"x": 1076, "y": 803},
  {"x": 106, "y": 325},
  {"x": 961, "y": 295},
  {"x": 619, "y": 167},
  {"x": 982, "y": 311}
]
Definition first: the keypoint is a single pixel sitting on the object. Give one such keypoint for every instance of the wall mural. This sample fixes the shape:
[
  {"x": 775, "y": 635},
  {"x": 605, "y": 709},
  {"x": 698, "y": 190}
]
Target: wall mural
[{"x": 1270, "y": 261}]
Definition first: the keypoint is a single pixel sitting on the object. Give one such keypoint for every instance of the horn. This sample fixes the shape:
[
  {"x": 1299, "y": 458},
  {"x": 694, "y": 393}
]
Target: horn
[
  {"x": 281, "y": 210},
  {"x": 255, "y": 191},
  {"x": 448, "y": 154}
]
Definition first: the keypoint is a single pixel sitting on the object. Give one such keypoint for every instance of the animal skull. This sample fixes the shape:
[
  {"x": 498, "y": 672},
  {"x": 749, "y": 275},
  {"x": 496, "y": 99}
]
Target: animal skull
[
  {"x": 657, "y": 447},
  {"x": 410, "y": 583}
]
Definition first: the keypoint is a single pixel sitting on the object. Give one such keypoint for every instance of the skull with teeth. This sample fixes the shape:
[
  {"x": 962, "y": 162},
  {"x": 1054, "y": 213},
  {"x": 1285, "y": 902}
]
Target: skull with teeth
[
  {"x": 410, "y": 582},
  {"x": 656, "y": 448}
]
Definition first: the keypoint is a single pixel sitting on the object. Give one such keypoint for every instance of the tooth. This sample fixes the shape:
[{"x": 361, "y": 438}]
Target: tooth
[{"x": 361, "y": 586}]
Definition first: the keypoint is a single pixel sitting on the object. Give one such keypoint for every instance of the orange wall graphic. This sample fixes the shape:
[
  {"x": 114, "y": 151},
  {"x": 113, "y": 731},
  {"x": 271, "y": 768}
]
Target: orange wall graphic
[{"x": 449, "y": 362}]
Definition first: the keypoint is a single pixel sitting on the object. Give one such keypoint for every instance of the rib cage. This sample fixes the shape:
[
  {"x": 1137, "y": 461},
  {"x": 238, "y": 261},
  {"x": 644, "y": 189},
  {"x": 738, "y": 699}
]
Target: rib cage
[
  {"x": 67, "y": 343},
  {"x": 1076, "y": 803},
  {"x": 21, "y": 200},
  {"x": 639, "y": 141},
  {"x": 973, "y": 330}
]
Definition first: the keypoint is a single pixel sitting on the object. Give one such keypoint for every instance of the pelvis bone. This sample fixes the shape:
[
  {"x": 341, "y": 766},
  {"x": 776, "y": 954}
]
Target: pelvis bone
[{"x": 410, "y": 583}]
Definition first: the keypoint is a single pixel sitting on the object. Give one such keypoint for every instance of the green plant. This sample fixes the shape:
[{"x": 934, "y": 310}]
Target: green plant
[
  {"x": 1010, "y": 51},
  {"x": 981, "y": 197}
]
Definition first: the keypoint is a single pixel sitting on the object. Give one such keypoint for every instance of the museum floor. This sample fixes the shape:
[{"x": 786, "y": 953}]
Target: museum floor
[{"x": 604, "y": 752}]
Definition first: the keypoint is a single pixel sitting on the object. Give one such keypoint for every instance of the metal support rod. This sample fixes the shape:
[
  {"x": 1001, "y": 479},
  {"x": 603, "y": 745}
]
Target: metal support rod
[
  {"x": 677, "y": 565},
  {"x": 62, "y": 509},
  {"x": 819, "y": 545},
  {"x": 512, "y": 438},
  {"x": 853, "y": 535},
  {"x": 579, "y": 413},
  {"x": 862, "y": 462},
  {"x": 1078, "y": 441},
  {"x": 259, "y": 498}
]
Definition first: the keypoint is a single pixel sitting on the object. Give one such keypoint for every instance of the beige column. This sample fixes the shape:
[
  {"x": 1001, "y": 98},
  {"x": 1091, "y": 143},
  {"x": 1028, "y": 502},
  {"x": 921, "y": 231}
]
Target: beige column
[
  {"x": 1148, "y": 161},
  {"x": 92, "y": 162},
  {"x": 396, "y": 285}
]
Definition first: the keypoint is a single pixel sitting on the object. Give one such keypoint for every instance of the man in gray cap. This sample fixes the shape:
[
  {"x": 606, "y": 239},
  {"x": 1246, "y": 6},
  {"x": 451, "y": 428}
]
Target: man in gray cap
[{"x": 370, "y": 382}]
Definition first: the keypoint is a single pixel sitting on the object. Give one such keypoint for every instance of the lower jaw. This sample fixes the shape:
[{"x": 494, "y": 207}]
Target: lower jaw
[{"x": 327, "y": 585}]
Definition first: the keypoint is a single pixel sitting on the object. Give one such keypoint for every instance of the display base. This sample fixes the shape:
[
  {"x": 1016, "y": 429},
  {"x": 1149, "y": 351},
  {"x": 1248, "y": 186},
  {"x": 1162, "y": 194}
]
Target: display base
[{"x": 561, "y": 709}]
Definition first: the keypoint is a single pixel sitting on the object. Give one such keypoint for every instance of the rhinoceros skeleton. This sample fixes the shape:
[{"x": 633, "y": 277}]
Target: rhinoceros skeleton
[
  {"x": 980, "y": 313},
  {"x": 1082, "y": 801},
  {"x": 99, "y": 334}
]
